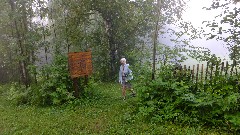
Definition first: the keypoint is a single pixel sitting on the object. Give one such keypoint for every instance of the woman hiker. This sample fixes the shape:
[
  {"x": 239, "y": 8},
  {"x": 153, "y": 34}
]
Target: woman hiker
[{"x": 125, "y": 75}]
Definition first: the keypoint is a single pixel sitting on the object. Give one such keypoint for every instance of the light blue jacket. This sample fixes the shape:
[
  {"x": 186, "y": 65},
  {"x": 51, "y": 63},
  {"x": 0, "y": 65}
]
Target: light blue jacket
[{"x": 126, "y": 71}]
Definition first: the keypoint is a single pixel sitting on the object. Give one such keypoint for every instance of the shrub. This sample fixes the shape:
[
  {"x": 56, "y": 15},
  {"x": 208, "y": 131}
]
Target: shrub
[
  {"x": 17, "y": 94},
  {"x": 176, "y": 98},
  {"x": 55, "y": 86}
]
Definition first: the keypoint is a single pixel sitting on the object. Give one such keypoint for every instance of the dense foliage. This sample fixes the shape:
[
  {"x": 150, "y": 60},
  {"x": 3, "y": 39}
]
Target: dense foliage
[
  {"x": 56, "y": 87},
  {"x": 37, "y": 35},
  {"x": 174, "y": 96},
  {"x": 103, "y": 114}
]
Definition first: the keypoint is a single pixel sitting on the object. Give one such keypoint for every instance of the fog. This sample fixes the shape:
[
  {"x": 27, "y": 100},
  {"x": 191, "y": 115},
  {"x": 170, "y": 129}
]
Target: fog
[{"x": 196, "y": 14}]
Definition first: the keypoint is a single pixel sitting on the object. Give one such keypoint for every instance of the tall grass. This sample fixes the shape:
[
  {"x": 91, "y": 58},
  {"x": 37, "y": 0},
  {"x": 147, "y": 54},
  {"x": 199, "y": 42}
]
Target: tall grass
[{"x": 103, "y": 113}]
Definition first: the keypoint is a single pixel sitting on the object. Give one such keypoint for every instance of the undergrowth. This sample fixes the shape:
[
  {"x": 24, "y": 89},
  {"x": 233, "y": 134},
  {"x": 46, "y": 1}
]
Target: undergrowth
[
  {"x": 175, "y": 97},
  {"x": 104, "y": 112}
]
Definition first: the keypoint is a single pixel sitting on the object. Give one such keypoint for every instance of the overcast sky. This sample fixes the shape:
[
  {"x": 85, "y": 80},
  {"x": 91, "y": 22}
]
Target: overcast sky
[{"x": 196, "y": 15}]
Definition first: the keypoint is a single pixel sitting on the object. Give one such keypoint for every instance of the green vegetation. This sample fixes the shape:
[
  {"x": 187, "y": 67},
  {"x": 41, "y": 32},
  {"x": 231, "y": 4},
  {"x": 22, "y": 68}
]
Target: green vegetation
[
  {"x": 175, "y": 97},
  {"x": 104, "y": 113},
  {"x": 36, "y": 91}
]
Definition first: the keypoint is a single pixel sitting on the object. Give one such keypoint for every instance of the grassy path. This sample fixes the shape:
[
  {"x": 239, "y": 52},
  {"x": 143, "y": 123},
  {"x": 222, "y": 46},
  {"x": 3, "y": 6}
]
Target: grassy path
[{"x": 106, "y": 113}]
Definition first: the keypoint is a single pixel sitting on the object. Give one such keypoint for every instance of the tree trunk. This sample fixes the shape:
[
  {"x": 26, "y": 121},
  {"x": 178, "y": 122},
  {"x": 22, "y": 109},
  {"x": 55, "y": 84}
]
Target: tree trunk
[
  {"x": 56, "y": 48},
  {"x": 33, "y": 60},
  {"x": 112, "y": 47},
  {"x": 43, "y": 34},
  {"x": 22, "y": 62},
  {"x": 66, "y": 31},
  {"x": 155, "y": 39},
  {"x": 27, "y": 43}
]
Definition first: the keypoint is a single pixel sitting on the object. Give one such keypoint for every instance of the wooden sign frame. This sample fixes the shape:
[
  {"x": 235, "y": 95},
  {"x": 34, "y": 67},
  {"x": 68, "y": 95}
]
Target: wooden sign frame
[{"x": 80, "y": 63}]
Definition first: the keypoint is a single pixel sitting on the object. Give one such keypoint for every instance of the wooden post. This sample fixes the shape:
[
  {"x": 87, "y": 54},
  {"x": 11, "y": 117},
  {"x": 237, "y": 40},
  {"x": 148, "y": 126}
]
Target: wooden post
[
  {"x": 181, "y": 71},
  {"x": 76, "y": 87},
  {"x": 86, "y": 80},
  {"x": 185, "y": 71},
  {"x": 222, "y": 67},
  {"x": 211, "y": 71},
  {"x": 206, "y": 71},
  {"x": 226, "y": 72},
  {"x": 202, "y": 73},
  {"x": 235, "y": 62},
  {"x": 197, "y": 73},
  {"x": 193, "y": 72},
  {"x": 216, "y": 71},
  {"x": 231, "y": 72},
  {"x": 189, "y": 73}
]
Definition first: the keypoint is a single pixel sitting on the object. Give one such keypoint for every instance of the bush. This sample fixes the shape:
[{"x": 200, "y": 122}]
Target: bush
[
  {"x": 55, "y": 86},
  {"x": 17, "y": 94},
  {"x": 55, "y": 83},
  {"x": 176, "y": 98}
]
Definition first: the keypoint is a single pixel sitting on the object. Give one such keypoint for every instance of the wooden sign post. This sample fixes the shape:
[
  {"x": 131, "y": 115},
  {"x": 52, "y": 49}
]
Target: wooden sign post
[{"x": 80, "y": 64}]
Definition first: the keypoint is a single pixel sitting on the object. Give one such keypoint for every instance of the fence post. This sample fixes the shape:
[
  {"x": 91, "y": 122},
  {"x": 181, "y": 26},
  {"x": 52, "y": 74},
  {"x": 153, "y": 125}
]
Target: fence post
[
  {"x": 76, "y": 87},
  {"x": 181, "y": 71},
  {"x": 206, "y": 71},
  {"x": 189, "y": 74},
  {"x": 231, "y": 72},
  {"x": 193, "y": 72},
  {"x": 236, "y": 67},
  {"x": 222, "y": 67},
  {"x": 226, "y": 72},
  {"x": 197, "y": 73},
  {"x": 185, "y": 70},
  {"x": 202, "y": 73},
  {"x": 216, "y": 71},
  {"x": 211, "y": 73}
]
